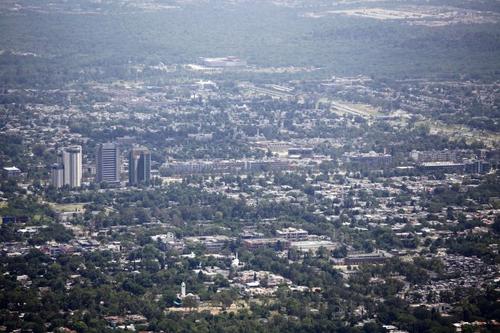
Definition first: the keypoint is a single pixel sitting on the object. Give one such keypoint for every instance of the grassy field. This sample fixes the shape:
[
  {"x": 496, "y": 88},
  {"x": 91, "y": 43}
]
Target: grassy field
[
  {"x": 343, "y": 108},
  {"x": 459, "y": 132},
  {"x": 62, "y": 208}
]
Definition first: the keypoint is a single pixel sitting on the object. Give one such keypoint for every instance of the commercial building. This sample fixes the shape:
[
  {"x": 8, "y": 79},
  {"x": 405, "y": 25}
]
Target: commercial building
[
  {"x": 441, "y": 167},
  {"x": 301, "y": 151},
  {"x": 168, "y": 241},
  {"x": 377, "y": 257},
  {"x": 468, "y": 166},
  {"x": 212, "y": 244},
  {"x": 72, "y": 164},
  {"x": 224, "y": 166},
  {"x": 229, "y": 61},
  {"x": 313, "y": 245},
  {"x": 292, "y": 234},
  {"x": 479, "y": 167},
  {"x": 108, "y": 163},
  {"x": 433, "y": 155},
  {"x": 139, "y": 166},
  {"x": 369, "y": 160},
  {"x": 276, "y": 243},
  {"x": 250, "y": 234}
]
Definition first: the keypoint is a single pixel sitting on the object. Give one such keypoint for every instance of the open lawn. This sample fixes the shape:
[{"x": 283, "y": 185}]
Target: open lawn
[{"x": 62, "y": 208}]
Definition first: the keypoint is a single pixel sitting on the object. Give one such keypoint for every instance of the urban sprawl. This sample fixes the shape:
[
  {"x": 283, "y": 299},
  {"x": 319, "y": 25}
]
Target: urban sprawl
[{"x": 139, "y": 205}]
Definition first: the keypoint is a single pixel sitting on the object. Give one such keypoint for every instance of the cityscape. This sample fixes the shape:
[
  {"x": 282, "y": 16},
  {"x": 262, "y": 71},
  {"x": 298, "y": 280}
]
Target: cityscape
[
  {"x": 239, "y": 166},
  {"x": 69, "y": 169}
]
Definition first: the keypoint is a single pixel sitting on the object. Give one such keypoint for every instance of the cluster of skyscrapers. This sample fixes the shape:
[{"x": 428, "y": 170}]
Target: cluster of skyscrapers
[{"x": 68, "y": 169}]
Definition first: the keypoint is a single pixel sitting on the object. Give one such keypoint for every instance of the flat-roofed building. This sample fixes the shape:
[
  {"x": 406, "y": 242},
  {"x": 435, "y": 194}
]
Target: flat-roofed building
[
  {"x": 257, "y": 243},
  {"x": 433, "y": 155},
  {"x": 139, "y": 166},
  {"x": 211, "y": 243},
  {"x": 369, "y": 160},
  {"x": 313, "y": 245},
  {"x": 11, "y": 171},
  {"x": 442, "y": 167},
  {"x": 292, "y": 233},
  {"x": 108, "y": 163},
  {"x": 72, "y": 162},
  {"x": 377, "y": 257},
  {"x": 229, "y": 61},
  {"x": 57, "y": 175}
]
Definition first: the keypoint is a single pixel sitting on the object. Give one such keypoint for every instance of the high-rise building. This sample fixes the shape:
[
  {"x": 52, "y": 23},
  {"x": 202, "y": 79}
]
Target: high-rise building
[
  {"x": 108, "y": 163},
  {"x": 72, "y": 162},
  {"x": 139, "y": 166},
  {"x": 57, "y": 175}
]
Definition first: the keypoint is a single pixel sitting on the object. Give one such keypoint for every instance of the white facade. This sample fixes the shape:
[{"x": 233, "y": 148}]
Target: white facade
[
  {"x": 72, "y": 161},
  {"x": 292, "y": 233},
  {"x": 57, "y": 176},
  {"x": 183, "y": 289}
]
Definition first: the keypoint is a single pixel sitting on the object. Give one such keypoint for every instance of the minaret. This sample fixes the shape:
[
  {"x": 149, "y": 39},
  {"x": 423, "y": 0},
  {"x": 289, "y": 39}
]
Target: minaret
[{"x": 183, "y": 289}]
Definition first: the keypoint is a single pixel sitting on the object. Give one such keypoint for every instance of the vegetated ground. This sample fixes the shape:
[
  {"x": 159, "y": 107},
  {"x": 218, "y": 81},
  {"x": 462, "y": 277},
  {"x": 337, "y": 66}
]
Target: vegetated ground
[{"x": 66, "y": 45}]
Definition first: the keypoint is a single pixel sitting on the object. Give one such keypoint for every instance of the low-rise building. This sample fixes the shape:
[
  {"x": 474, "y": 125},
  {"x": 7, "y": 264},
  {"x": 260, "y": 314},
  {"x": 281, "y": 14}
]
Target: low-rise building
[
  {"x": 313, "y": 245},
  {"x": 211, "y": 243},
  {"x": 292, "y": 233},
  {"x": 377, "y": 257},
  {"x": 276, "y": 243}
]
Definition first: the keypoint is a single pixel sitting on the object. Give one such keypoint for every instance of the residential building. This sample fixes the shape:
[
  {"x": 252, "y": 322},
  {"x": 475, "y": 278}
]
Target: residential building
[{"x": 57, "y": 175}]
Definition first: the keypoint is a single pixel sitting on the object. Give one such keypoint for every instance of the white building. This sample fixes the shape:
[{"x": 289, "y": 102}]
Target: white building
[
  {"x": 72, "y": 162},
  {"x": 57, "y": 175},
  {"x": 292, "y": 233},
  {"x": 229, "y": 61}
]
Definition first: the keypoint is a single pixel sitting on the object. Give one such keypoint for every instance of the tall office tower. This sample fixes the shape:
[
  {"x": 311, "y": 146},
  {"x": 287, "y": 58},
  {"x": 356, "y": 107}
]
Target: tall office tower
[
  {"x": 108, "y": 163},
  {"x": 139, "y": 166},
  {"x": 57, "y": 175},
  {"x": 72, "y": 161}
]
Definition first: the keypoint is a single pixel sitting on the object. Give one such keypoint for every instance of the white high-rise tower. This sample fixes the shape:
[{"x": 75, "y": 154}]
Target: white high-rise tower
[{"x": 72, "y": 162}]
